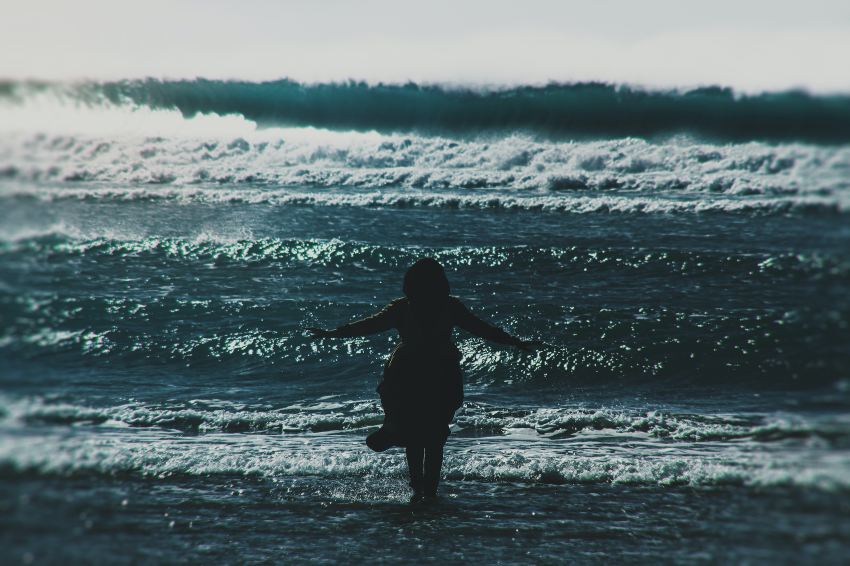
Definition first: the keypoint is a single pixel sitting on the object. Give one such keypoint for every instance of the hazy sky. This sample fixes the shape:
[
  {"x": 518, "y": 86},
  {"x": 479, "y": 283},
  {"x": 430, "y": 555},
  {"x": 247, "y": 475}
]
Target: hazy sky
[{"x": 751, "y": 45}]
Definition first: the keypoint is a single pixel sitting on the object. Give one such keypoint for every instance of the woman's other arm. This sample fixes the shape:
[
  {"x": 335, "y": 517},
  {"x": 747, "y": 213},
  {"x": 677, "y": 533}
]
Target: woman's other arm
[
  {"x": 381, "y": 321},
  {"x": 474, "y": 325}
]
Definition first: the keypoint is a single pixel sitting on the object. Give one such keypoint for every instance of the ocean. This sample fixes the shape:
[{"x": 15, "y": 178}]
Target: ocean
[{"x": 683, "y": 255}]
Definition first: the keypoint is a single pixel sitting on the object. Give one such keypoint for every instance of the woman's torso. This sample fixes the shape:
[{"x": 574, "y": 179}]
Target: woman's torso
[{"x": 425, "y": 329}]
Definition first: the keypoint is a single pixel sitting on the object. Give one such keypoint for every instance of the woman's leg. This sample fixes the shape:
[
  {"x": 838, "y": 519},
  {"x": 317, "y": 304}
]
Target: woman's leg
[
  {"x": 415, "y": 456},
  {"x": 433, "y": 465}
]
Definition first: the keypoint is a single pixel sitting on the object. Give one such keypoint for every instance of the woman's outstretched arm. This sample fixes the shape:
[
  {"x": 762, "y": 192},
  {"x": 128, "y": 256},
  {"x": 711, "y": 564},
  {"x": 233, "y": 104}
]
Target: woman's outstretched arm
[
  {"x": 471, "y": 323},
  {"x": 378, "y": 322}
]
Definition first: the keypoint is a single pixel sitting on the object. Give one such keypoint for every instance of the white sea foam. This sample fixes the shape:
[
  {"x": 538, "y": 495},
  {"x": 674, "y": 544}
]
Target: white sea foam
[
  {"x": 148, "y": 153},
  {"x": 161, "y": 453},
  {"x": 480, "y": 419}
]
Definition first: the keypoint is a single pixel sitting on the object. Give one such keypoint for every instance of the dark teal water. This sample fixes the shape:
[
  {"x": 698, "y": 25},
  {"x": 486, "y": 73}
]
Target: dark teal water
[{"x": 160, "y": 402}]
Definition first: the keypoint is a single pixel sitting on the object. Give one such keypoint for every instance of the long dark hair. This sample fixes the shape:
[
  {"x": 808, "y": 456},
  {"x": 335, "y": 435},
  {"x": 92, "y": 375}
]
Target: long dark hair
[{"x": 426, "y": 282}]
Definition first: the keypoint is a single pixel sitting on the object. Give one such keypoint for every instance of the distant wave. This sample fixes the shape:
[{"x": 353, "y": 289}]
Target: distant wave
[{"x": 584, "y": 110}]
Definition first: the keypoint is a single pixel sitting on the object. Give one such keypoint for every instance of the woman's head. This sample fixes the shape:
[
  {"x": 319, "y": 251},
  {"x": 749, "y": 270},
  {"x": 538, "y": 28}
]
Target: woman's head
[{"x": 426, "y": 281}]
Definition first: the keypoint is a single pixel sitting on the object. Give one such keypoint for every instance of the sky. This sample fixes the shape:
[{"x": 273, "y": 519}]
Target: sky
[{"x": 751, "y": 45}]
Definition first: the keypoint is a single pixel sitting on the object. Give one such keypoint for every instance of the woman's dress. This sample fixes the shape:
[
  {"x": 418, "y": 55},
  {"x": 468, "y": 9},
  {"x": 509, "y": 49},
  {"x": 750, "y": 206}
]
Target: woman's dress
[{"x": 422, "y": 385}]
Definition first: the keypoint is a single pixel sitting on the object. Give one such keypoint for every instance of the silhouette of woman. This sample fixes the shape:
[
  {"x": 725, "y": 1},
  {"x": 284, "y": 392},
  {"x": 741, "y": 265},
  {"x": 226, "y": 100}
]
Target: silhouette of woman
[{"x": 422, "y": 384}]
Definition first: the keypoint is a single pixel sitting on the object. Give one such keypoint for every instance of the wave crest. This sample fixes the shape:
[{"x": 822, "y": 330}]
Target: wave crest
[
  {"x": 474, "y": 419},
  {"x": 160, "y": 454},
  {"x": 556, "y": 110}
]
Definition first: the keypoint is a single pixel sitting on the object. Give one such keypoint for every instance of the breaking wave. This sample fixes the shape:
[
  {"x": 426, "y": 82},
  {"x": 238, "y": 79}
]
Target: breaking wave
[
  {"x": 101, "y": 142},
  {"x": 162, "y": 455},
  {"x": 474, "y": 419},
  {"x": 591, "y": 110}
]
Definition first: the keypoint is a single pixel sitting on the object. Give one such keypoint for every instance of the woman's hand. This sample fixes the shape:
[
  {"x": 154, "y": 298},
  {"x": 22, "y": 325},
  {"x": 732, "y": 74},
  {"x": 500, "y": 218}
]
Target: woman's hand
[{"x": 319, "y": 333}]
